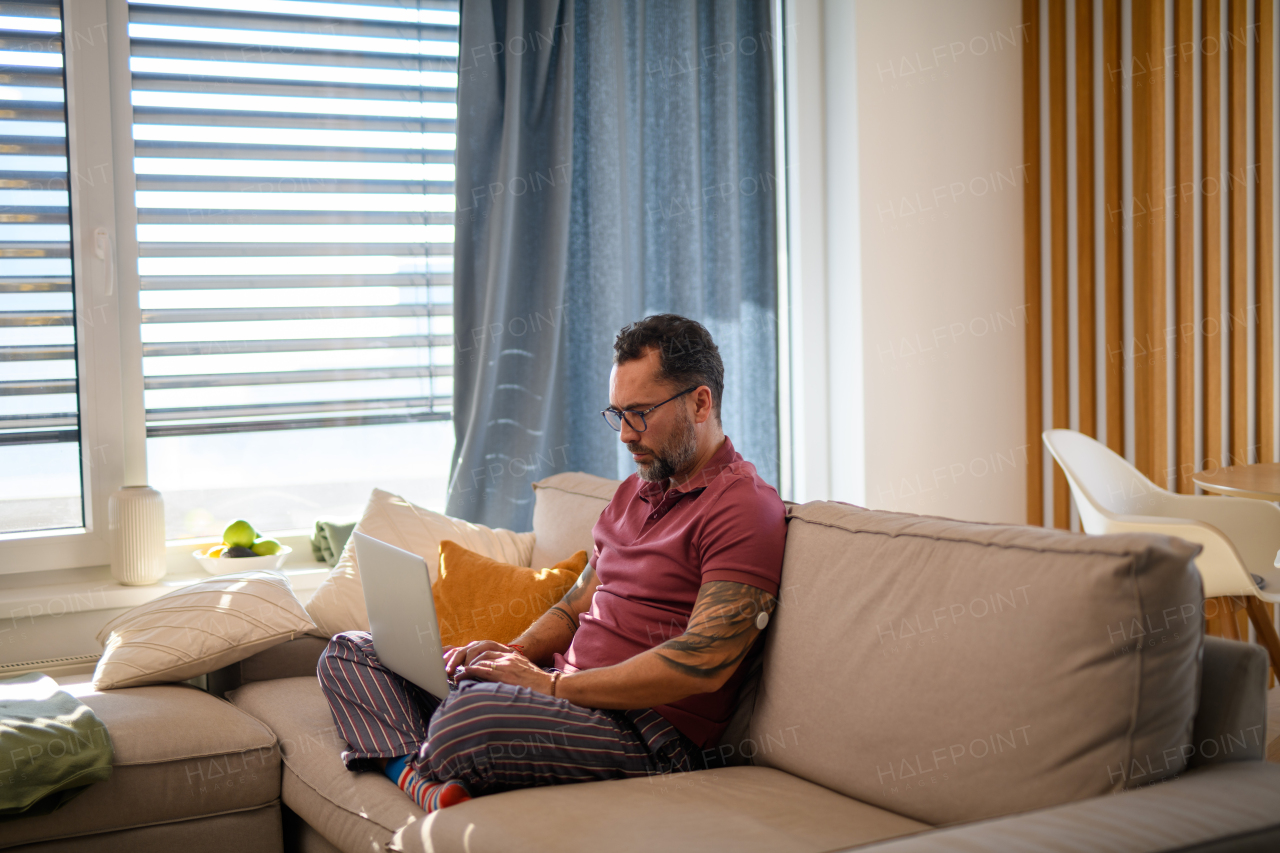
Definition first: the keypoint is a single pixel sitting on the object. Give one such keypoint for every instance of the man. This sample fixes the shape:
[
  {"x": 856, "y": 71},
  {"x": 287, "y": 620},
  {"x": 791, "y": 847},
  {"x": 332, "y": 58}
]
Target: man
[{"x": 636, "y": 669}]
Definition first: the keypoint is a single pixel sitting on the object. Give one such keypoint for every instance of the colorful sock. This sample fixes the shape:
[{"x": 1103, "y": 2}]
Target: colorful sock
[
  {"x": 429, "y": 795},
  {"x": 395, "y": 767}
]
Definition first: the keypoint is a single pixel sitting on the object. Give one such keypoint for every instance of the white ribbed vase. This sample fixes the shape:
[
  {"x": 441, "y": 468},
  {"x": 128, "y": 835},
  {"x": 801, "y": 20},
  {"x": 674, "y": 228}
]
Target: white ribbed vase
[{"x": 136, "y": 517}]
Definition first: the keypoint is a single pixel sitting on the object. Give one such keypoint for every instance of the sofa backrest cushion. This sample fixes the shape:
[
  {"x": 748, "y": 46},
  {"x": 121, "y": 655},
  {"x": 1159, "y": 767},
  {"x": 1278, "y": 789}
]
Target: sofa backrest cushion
[
  {"x": 951, "y": 671},
  {"x": 565, "y": 508}
]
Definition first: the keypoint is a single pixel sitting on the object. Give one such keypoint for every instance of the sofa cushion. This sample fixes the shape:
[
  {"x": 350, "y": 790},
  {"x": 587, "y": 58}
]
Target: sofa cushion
[
  {"x": 179, "y": 753},
  {"x": 951, "y": 671},
  {"x": 1233, "y": 807},
  {"x": 354, "y": 811},
  {"x": 738, "y": 809},
  {"x": 256, "y": 830},
  {"x": 752, "y": 808},
  {"x": 565, "y": 509}
]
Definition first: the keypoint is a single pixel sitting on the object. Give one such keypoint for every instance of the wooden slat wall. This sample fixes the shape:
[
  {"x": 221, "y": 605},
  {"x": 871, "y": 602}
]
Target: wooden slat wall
[
  {"x": 1085, "y": 255},
  {"x": 1112, "y": 134},
  {"x": 1060, "y": 370},
  {"x": 1148, "y": 236},
  {"x": 1265, "y": 241},
  {"x": 1185, "y": 243},
  {"x": 1214, "y": 326},
  {"x": 1031, "y": 256},
  {"x": 1238, "y": 228},
  {"x": 1209, "y": 219}
]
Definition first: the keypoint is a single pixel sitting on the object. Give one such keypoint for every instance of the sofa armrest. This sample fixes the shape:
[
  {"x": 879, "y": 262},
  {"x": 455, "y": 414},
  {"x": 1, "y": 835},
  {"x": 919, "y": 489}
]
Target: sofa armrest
[
  {"x": 1238, "y": 801},
  {"x": 1231, "y": 722}
]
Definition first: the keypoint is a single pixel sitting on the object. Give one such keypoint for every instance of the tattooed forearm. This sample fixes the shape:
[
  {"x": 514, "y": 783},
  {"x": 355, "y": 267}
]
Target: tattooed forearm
[
  {"x": 721, "y": 629},
  {"x": 575, "y": 601},
  {"x": 553, "y": 631},
  {"x": 565, "y": 617}
]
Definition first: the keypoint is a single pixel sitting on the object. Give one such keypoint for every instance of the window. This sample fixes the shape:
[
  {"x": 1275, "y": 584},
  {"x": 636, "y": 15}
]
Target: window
[
  {"x": 294, "y": 168},
  {"x": 39, "y": 411},
  {"x": 281, "y": 174}
]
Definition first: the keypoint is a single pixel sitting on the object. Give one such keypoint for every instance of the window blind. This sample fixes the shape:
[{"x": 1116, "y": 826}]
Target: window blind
[
  {"x": 38, "y": 393},
  {"x": 294, "y": 165}
]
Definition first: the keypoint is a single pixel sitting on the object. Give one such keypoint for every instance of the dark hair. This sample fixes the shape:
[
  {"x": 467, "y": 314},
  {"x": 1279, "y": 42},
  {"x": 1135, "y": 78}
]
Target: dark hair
[{"x": 686, "y": 353}]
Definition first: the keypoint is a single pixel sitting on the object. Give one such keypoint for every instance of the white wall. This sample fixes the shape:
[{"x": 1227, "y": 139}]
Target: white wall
[{"x": 923, "y": 182}]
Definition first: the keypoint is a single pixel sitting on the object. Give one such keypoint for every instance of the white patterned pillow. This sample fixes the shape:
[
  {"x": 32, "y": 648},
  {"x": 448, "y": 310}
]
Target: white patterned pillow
[{"x": 199, "y": 628}]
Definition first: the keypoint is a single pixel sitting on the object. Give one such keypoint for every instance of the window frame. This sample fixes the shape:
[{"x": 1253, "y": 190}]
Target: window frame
[
  {"x": 98, "y": 84},
  {"x": 91, "y": 65}
]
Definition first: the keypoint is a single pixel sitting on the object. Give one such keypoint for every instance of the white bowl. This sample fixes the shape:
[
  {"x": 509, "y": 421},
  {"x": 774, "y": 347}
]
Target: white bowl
[{"x": 227, "y": 565}]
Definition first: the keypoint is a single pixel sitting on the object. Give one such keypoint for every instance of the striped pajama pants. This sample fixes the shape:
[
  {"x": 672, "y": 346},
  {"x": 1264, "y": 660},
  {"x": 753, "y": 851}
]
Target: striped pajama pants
[{"x": 492, "y": 737}]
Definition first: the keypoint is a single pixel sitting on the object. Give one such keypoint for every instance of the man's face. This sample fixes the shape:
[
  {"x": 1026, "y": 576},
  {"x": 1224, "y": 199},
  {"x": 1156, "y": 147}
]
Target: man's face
[{"x": 669, "y": 443}]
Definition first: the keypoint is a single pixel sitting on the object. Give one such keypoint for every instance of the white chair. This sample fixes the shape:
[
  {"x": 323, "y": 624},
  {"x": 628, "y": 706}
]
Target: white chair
[{"x": 1240, "y": 536}]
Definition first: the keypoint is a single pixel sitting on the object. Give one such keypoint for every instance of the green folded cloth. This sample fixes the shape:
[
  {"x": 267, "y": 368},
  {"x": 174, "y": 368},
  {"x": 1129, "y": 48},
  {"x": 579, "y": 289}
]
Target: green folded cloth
[
  {"x": 329, "y": 539},
  {"x": 52, "y": 746}
]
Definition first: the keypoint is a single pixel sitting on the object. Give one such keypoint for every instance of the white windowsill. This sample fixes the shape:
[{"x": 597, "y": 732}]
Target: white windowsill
[{"x": 26, "y": 596}]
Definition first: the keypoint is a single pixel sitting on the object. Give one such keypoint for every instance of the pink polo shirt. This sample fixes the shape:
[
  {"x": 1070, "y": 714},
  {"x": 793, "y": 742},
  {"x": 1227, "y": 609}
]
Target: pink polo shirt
[{"x": 655, "y": 548}]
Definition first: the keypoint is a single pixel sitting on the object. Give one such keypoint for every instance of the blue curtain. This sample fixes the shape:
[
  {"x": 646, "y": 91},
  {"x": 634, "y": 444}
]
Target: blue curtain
[{"x": 615, "y": 160}]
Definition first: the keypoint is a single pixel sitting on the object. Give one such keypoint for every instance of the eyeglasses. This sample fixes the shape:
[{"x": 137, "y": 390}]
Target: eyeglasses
[{"x": 614, "y": 418}]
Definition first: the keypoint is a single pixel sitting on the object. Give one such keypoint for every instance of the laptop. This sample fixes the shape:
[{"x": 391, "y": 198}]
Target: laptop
[{"x": 402, "y": 614}]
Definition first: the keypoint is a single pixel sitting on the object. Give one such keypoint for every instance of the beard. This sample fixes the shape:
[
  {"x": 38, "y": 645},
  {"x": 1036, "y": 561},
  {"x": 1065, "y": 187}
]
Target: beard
[{"x": 672, "y": 457}]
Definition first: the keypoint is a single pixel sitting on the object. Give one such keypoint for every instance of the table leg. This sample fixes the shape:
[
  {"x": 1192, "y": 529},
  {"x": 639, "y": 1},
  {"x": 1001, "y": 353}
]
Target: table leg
[{"x": 1222, "y": 618}]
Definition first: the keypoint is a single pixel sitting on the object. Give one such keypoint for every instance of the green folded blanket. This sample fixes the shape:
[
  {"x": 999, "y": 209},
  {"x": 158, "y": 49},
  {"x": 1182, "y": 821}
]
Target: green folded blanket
[
  {"x": 52, "y": 746},
  {"x": 329, "y": 539}
]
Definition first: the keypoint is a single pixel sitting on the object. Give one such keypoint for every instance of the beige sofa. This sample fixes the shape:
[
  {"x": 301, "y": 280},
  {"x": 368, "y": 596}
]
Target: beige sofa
[{"x": 925, "y": 685}]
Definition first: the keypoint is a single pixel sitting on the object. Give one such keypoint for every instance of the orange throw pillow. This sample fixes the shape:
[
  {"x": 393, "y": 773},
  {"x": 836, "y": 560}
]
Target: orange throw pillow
[{"x": 478, "y": 598}]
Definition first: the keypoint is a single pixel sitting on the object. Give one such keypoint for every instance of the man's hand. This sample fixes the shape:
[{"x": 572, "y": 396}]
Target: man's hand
[
  {"x": 457, "y": 656},
  {"x": 509, "y": 668}
]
